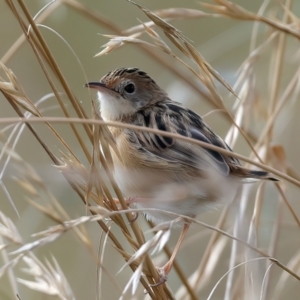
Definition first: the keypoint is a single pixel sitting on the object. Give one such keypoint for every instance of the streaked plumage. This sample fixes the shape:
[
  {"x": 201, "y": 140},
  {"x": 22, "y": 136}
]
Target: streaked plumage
[
  {"x": 151, "y": 162},
  {"x": 163, "y": 172}
]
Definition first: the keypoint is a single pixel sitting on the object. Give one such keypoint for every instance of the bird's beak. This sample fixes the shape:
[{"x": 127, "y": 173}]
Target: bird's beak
[
  {"x": 101, "y": 87},
  {"x": 96, "y": 85}
]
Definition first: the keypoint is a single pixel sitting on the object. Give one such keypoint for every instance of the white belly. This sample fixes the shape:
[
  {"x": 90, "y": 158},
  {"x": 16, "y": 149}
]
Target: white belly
[{"x": 156, "y": 191}]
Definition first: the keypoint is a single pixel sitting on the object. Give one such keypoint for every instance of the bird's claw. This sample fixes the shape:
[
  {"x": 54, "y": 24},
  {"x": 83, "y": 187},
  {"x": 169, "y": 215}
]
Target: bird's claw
[
  {"x": 135, "y": 216},
  {"x": 163, "y": 277},
  {"x": 128, "y": 201}
]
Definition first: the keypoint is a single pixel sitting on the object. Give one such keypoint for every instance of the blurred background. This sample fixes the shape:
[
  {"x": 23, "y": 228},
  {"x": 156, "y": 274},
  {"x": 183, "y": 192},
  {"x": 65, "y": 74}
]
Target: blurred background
[{"x": 225, "y": 44}]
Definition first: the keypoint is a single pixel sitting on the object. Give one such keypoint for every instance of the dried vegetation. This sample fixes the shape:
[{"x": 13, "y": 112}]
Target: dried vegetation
[{"x": 255, "y": 267}]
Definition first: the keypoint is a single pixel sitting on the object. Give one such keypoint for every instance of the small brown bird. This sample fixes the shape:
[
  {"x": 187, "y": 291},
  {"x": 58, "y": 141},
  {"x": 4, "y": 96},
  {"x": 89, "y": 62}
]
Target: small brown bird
[{"x": 163, "y": 172}]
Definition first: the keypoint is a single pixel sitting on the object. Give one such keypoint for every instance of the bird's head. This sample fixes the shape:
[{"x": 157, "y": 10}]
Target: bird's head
[{"x": 125, "y": 91}]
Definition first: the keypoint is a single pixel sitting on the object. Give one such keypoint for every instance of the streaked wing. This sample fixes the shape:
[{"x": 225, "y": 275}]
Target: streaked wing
[{"x": 172, "y": 117}]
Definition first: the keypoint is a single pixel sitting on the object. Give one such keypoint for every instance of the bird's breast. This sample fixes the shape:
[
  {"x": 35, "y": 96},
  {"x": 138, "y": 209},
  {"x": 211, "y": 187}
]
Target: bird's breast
[
  {"x": 135, "y": 173},
  {"x": 155, "y": 184}
]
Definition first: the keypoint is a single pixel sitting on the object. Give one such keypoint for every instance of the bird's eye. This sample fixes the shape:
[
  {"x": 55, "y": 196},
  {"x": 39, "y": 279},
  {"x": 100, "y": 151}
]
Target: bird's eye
[{"x": 129, "y": 88}]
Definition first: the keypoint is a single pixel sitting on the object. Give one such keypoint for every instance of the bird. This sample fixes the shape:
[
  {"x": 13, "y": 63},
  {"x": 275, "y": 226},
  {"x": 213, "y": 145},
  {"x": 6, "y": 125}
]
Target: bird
[{"x": 164, "y": 172}]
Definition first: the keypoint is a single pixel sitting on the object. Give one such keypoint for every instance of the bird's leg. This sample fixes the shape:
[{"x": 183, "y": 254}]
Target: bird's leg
[{"x": 165, "y": 270}]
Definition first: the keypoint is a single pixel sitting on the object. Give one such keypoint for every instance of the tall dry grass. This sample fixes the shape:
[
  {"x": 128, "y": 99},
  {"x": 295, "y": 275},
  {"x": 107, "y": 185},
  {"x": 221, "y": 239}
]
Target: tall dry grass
[{"x": 249, "y": 250}]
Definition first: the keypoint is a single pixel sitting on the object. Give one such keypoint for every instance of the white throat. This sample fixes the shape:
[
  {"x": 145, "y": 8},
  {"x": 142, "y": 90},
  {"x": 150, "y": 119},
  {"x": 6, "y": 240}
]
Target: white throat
[{"x": 113, "y": 108}]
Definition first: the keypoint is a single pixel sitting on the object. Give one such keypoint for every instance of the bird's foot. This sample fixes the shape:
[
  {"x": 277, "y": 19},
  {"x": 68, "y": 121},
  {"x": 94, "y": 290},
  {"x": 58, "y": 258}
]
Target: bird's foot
[
  {"x": 128, "y": 201},
  {"x": 163, "y": 273},
  {"x": 163, "y": 276}
]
